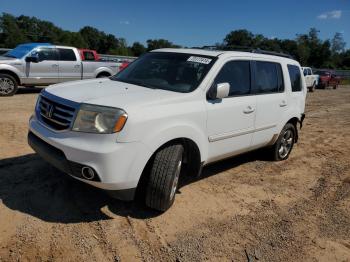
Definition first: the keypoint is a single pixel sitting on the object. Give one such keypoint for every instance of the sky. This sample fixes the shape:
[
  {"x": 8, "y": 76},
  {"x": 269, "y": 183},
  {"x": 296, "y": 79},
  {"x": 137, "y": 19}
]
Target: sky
[{"x": 192, "y": 22}]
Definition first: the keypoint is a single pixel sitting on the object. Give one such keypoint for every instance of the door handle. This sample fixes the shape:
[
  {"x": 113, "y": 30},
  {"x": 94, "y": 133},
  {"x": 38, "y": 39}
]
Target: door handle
[
  {"x": 248, "y": 110},
  {"x": 283, "y": 103},
  {"x": 55, "y": 65},
  {"x": 77, "y": 66}
]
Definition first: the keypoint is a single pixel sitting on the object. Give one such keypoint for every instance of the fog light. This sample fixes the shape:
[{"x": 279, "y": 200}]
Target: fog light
[{"x": 87, "y": 173}]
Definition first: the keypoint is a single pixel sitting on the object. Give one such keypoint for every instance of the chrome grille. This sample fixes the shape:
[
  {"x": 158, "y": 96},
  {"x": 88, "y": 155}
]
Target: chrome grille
[{"x": 56, "y": 115}]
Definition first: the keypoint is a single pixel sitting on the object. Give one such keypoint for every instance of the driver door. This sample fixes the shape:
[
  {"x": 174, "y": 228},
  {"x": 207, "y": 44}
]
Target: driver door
[
  {"x": 44, "y": 72},
  {"x": 230, "y": 121}
]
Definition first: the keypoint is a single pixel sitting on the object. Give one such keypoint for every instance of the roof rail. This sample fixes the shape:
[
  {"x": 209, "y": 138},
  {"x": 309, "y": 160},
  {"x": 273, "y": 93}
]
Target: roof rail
[{"x": 246, "y": 49}]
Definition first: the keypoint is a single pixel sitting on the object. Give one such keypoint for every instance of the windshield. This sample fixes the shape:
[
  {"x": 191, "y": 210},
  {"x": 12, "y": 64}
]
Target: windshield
[
  {"x": 19, "y": 52},
  {"x": 169, "y": 71}
]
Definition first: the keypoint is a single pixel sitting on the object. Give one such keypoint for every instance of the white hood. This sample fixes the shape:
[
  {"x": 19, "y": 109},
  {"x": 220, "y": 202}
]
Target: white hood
[
  {"x": 8, "y": 60},
  {"x": 111, "y": 93}
]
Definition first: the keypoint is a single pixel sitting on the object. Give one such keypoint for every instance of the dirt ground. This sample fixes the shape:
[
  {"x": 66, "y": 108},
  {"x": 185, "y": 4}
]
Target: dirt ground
[{"x": 242, "y": 209}]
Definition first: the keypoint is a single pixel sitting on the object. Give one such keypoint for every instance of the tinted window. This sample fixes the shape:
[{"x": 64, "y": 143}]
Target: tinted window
[
  {"x": 268, "y": 78},
  {"x": 309, "y": 72},
  {"x": 295, "y": 78},
  {"x": 47, "y": 54},
  {"x": 237, "y": 74},
  {"x": 66, "y": 54},
  {"x": 89, "y": 56}
]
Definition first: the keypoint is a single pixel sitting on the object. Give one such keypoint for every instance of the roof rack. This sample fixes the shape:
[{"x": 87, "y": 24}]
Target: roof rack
[{"x": 246, "y": 49}]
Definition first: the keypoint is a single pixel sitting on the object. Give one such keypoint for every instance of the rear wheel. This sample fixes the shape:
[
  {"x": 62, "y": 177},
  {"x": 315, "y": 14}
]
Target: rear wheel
[
  {"x": 284, "y": 144},
  {"x": 164, "y": 177},
  {"x": 312, "y": 88},
  {"x": 8, "y": 85},
  {"x": 103, "y": 75}
]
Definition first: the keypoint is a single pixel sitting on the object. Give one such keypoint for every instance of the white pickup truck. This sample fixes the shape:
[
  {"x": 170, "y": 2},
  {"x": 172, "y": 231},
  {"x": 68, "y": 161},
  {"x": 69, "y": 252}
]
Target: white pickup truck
[
  {"x": 41, "y": 64},
  {"x": 165, "y": 116},
  {"x": 310, "y": 79}
]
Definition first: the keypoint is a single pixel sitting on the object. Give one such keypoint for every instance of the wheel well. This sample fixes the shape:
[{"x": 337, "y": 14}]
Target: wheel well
[
  {"x": 294, "y": 121},
  {"x": 191, "y": 162},
  {"x": 103, "y": 74},
  {"x": 14, "y": 75}
]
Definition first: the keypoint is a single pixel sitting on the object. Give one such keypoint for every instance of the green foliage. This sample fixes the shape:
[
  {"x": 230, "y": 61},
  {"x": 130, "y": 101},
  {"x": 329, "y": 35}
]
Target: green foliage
[
  {"x": 159, "y": 43},
  {"x": 307, "y": 48}
]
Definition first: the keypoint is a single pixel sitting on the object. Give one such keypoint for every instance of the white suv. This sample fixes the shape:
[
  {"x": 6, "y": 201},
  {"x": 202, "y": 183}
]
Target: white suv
[{"x": 166, "y": 115}]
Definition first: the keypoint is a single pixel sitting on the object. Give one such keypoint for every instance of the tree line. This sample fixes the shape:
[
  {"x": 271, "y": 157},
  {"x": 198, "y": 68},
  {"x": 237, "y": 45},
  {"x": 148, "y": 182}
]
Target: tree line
[{"x": 307, "y": 48}]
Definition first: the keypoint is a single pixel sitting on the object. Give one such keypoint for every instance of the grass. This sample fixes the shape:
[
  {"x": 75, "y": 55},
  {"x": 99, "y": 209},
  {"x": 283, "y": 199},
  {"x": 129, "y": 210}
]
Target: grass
[{"x": 345, "y": 82}]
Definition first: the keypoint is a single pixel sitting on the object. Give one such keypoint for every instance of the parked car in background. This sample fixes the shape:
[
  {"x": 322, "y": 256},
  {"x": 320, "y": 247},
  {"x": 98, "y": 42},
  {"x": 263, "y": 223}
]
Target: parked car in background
[
  {"x": 42, "y": 64},
  {"x": 328, "y": 78},
  {"x": 311, "y": 79},
  {"x": 165, "y": 116}
]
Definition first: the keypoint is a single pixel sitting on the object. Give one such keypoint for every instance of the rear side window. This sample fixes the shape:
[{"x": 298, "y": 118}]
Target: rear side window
[
  {"x": 268, "y": 78},
  {"x": 295, "y": 78},
  {"x": 237, "y": 74},
  {"x": 66, "y": 54},
  {"x": 89, "y": 56}
]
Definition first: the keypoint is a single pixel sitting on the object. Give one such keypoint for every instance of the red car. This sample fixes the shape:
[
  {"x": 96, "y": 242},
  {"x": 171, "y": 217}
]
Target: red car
[{"x": 327, "y": 78}]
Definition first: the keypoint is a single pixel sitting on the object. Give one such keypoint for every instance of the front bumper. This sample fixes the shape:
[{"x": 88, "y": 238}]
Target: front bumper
[{"x": 118, "y": 166}]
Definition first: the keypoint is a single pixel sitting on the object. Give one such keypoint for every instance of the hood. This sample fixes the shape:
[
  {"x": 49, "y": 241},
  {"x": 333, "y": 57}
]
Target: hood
[
  {"x": 112, "y": 93},
  {"x": 6, "y": 60}
]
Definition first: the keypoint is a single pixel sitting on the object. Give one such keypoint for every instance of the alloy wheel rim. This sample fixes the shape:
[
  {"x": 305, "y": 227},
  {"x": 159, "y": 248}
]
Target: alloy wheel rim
[
  {"x": 176, "y": 180},
  {"x": 286, "y": 143},
  {"x": 6, "y": 86}
]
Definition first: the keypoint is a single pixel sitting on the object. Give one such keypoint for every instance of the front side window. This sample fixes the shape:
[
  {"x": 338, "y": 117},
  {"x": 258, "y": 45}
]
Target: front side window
[
  {"x": 66, "y": 54},
  {"x": 46, "y": 54},
  {"x": 176, "y": 72},
  {"x": 237, "y": 74},
  {"x": 295, "y": 78},
  {"x": 268, "y": 78}
]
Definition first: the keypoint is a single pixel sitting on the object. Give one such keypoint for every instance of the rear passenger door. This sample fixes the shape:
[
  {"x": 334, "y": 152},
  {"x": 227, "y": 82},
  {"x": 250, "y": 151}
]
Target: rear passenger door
[
  {"x": 230, "y": 121},
  {"x": 271, "y": 101},
  {"x": 69, "y": 66}
]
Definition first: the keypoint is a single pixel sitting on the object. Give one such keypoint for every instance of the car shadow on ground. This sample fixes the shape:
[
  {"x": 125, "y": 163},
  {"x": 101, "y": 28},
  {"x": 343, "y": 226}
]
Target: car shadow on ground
[
  {"x": 28, "y": 90},
  {"x": 30, "y": 185}
]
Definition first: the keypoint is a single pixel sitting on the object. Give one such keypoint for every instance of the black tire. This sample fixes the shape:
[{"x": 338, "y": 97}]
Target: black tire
[
  {"x": 284, "y": 141},
  {"x": 335, "y": 87},
  {"x": 8, "y": 85},
  {"x": 103, "y": 75},
  {"x": 164, "y": 176}
]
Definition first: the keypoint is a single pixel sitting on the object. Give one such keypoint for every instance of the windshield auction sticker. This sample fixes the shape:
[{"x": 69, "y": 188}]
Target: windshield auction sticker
[{"x": 198, "y": 59}]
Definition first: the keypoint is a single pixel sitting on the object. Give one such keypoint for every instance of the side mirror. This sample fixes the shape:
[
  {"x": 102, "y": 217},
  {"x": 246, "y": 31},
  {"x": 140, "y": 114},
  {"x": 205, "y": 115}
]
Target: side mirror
[
  {"x": 33, "y": 59},
  {"x": 219, "y": 91}
]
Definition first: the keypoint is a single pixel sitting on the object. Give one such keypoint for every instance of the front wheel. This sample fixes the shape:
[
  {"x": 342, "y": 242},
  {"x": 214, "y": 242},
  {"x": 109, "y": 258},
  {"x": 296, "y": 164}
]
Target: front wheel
[
  {"x": 284, "y": 144},
  {"x": 8, "y": 85},
  {"x": 164, "y": 177}
]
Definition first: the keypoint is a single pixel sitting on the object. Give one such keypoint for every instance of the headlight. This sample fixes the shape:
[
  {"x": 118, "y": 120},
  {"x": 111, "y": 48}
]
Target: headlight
[{"x": 99, "y": 119}]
